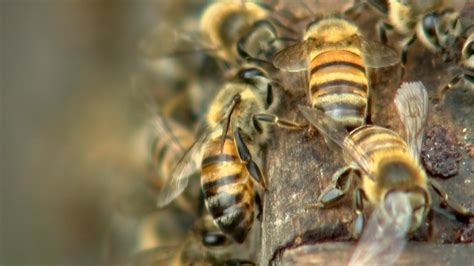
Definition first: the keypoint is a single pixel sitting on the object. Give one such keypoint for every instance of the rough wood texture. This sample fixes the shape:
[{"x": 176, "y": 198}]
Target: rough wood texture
[
  {"x": 298, "y": 169},
  {"x": 332, "y": 254}
]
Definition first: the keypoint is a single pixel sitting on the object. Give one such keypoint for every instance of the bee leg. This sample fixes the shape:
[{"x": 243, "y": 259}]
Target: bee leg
[
  {"x": 461, "y": 213},
  {"x": 246, "y": 157},
  {"x": 382, "y": 28},
  {"x": 430, "y": 225},
  {"x": 273, "y": 119},
  {"x": 336, "y": 191},
  {"x": 449, "y": 86},
  {"x": 359, "y": 224},
  {"x": 404, "y": 54}
]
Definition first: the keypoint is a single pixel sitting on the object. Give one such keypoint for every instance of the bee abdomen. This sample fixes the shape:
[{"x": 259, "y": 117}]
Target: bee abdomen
[
  {"x": 375, "y": 140},
  {"x": 227, "y": 189},
  {"x": 232, "y": 211},
  {"x": 236, "y": 221},
  {"x": 339, "y": 86}
]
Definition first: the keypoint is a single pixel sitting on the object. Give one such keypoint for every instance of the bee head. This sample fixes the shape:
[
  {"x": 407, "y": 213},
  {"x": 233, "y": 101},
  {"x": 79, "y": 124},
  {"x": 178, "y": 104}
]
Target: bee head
[
  {"x": 394, "y": 172},
  {"x": 330, "y": 29},
  {"x": 213, "y": 239},
  {"x": 418, "y": 200},
  {"x": 256, "y": 77},
  {"x": 442, "y": 30}
]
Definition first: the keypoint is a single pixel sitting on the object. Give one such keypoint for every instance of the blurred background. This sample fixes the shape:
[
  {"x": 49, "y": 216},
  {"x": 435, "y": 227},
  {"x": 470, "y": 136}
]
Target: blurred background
[{"x": 66, "y": 71}]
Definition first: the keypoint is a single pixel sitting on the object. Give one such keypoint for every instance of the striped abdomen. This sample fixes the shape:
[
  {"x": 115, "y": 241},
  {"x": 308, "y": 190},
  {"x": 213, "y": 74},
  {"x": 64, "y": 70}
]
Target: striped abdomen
[
  {"x": 227, "y": 189},
  {"x": 378, "y": 142},
  {"x": 390, "y": 162},
  {"x": 168, "y": 145},
  {"x": 339, "y": 86}
]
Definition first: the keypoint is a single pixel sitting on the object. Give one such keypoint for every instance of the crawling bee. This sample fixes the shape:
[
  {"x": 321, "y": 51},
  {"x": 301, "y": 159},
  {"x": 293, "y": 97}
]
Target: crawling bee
[
  {"x": 202, "y": 244},
  {"x": 433, "y": 22},
  {"x": 336, "y": 58},
  {"x": 228, "y": 170},
  {"x": 236, "y": 30},
  {"x": 386, "y": 163},
  {"x": 467, "y": 67}
]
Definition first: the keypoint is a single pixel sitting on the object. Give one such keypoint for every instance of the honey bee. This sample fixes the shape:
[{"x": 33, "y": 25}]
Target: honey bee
[
  {"x": 433, "y": 22},
  {"x": 202, "y": 244},
  {"x": 384, "y": 162},
  {"x": 467, "y": 68},
  {"x": 228, "y": 168},
  {"x": 241, "y": 31},
  {"x": 336, "y": 58}
]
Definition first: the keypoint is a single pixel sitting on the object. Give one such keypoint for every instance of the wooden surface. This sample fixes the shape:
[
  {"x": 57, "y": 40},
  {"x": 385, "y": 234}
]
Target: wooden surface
[
  {"x": 298, "y": 169},
  {"x": 333, "y": 254}
]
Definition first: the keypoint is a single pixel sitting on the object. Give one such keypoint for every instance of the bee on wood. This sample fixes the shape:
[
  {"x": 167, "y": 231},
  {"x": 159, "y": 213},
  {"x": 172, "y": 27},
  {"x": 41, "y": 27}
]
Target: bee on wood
[
  {"x": 336, "y": 58},
  {"x": 435, "y": 23},
  {"x": 387, "y": 166},
  {"x": 466, "y": 65},
  {"x": 226, "y": 151},
  {"x": 237, "y": 31},
  {"x": 203, "y": 244}
]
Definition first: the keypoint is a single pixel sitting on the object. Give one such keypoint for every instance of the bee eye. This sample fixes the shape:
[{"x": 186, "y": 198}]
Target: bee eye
[
  {"x": 470, "y": 50},
  {"x": 429, "y": 24},
  {"x": 213, "y": 239},
  {"x": 249, "y": 73}
]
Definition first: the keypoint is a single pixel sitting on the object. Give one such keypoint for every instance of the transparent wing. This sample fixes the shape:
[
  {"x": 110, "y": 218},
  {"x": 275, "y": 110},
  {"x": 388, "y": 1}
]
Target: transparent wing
[
  {"x": 338, "y": 134},
  {"x": 167, "y": 41},
  {"x": 186, "y": 167},
  {"x": 412, "y": 107},
  {"x": 172, "y": 133},
  {"x": 294, "y": 58},
  {"x": 385, "y": 235},
  {"x": 171, "y": 137},
  {"x": 377, "y": 55}
]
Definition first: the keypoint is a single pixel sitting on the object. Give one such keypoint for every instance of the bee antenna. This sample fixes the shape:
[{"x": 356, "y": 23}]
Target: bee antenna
[
  {"x": 308, "y": 8},
  {"x": 235, "y": 101}
]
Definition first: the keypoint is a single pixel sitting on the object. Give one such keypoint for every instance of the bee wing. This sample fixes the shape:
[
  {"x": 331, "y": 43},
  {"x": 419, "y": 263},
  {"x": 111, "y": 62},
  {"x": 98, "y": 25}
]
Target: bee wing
[
  {"x": 377, "y": 55},
  {"x": 174, "y": 132},
  {"x": 384, "y": 237},
  {"x": 338, "y": 134},
  {"x": 186, "y": 167},
  {"x": 294, "y": 58},
  {"x": 178, "y": 42},
  {"x": 412, "y": 107}
]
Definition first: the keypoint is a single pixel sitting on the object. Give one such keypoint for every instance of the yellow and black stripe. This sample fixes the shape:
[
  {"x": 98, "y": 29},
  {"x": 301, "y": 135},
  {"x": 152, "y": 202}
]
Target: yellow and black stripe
[
  {"x": 339, "y": 86},
  {"x": 378, "y": 143},
  {"x": 227, "y": 189},
  {"x": 375, "y": 139}
]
